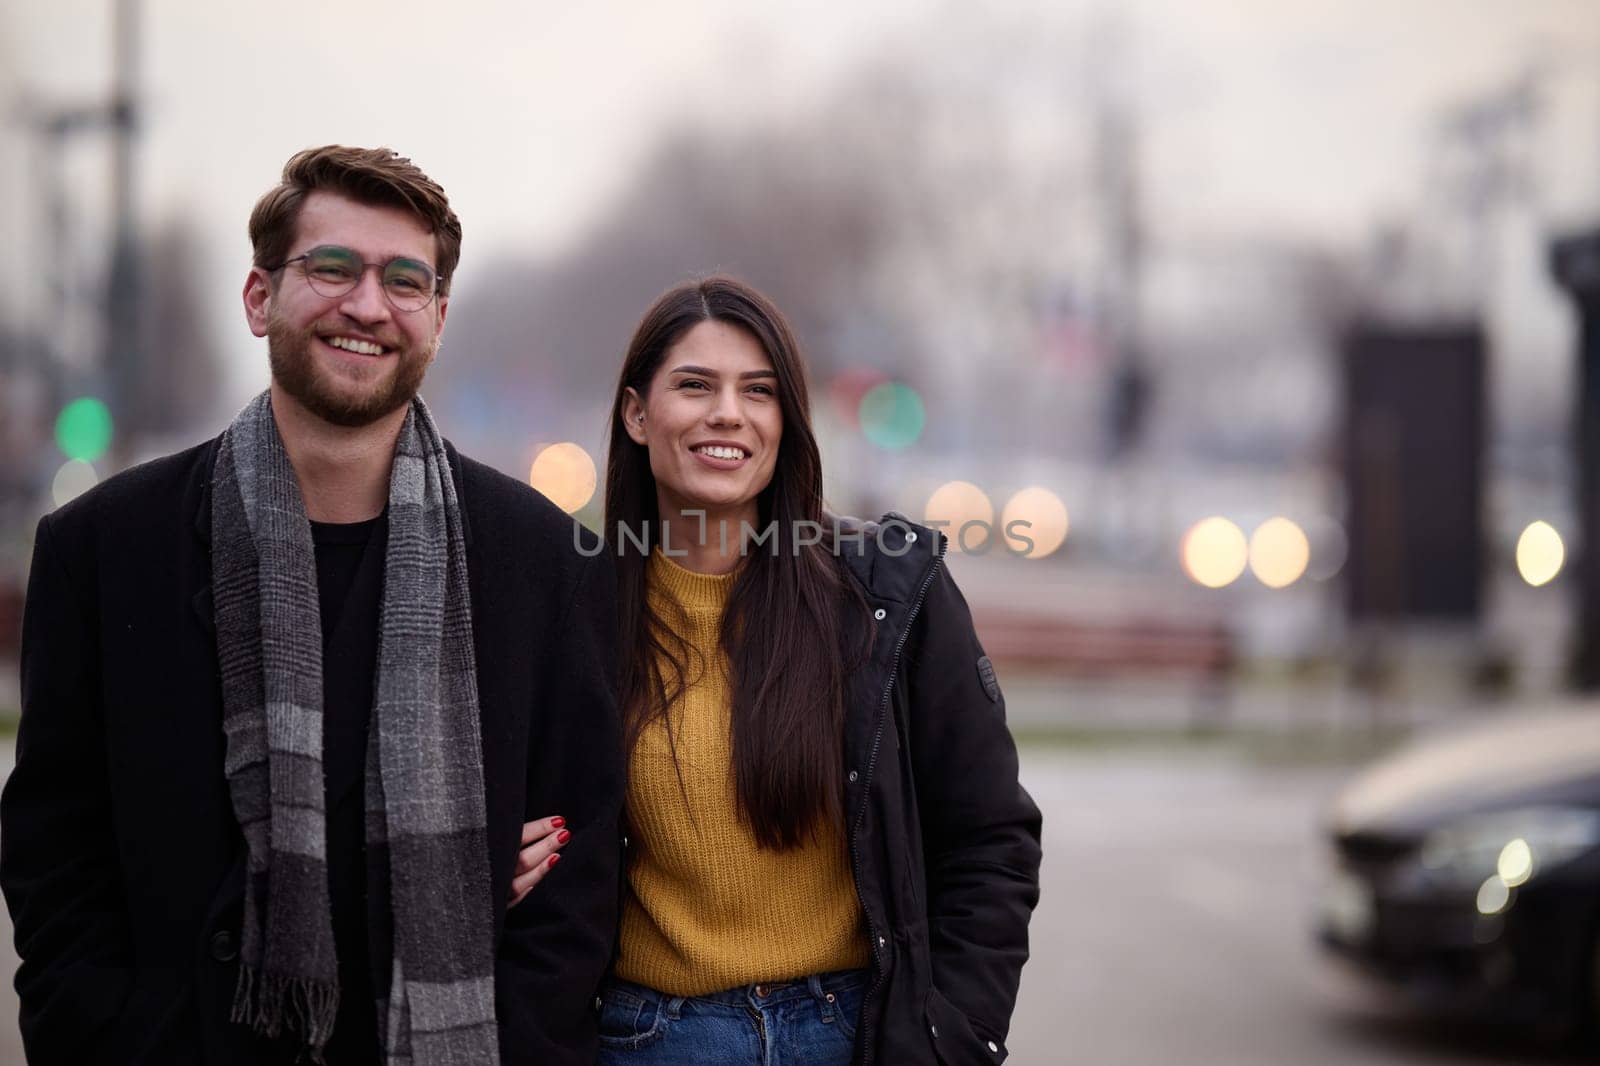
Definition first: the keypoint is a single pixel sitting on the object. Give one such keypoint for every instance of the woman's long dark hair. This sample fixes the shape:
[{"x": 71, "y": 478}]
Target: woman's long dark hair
[{"x": 783, "y": 630}]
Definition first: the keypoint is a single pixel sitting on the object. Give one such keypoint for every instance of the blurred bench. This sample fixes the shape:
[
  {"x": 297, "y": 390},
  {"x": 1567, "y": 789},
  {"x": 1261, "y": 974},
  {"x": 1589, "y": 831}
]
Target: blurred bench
[
  {"x": 1202, "y": 653},
  {"x": 10, "y": 619}
]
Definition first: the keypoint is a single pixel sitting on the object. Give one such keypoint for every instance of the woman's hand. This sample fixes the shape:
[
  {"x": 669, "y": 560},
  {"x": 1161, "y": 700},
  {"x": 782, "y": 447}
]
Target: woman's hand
[{"x": 541, "y": 840}]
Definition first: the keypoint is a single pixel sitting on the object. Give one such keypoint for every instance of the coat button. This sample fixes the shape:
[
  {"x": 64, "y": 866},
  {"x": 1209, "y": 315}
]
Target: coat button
[
  {"x": 994, "y": 1048},
  {"x": 854, "y": 776},
  {"x": 880, "y": 614},
  {"x": 224, "y": 947},
  {"x": 934, "y": 1029}
]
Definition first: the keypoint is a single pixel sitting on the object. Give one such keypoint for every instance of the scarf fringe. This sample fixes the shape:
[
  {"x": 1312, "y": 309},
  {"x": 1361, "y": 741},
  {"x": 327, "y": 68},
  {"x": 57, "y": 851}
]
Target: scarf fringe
[{"x": 272, "y": 1004}]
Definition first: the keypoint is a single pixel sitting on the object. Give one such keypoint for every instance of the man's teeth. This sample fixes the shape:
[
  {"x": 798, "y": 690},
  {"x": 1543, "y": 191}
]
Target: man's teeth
[
  {"x": 359, "y": 347},
  {"x": 718, "y": 452}
]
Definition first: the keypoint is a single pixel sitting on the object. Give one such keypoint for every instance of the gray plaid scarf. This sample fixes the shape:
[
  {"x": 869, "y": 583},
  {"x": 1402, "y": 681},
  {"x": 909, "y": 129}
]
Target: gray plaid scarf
[{"x": 424, "y": 773}]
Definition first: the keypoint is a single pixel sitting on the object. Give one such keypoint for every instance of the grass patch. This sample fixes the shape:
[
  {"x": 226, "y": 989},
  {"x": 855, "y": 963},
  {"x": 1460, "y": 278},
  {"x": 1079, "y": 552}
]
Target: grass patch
[
  {"x": 1323, "y": 747},
  {"x": 1110, "y": 738},
  {"x": 1268, "y": 747}
]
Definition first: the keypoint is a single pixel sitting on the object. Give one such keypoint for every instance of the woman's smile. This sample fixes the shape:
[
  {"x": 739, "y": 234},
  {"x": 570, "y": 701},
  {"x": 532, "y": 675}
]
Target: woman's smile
[{"x": 721, "y": 455}]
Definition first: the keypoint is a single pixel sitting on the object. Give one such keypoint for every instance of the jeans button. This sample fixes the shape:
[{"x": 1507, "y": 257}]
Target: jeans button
[
  {"x": 761, "y": 991},
  {"x": 224, "y": 946}
]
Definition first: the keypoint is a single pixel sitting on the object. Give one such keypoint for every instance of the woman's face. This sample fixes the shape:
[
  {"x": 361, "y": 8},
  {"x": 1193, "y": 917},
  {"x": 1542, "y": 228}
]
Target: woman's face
[{"x": 712, "y": 423}]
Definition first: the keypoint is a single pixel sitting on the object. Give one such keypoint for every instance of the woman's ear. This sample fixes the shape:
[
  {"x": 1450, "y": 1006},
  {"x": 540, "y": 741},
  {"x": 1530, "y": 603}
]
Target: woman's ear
[{"x": 633, "y": 415}]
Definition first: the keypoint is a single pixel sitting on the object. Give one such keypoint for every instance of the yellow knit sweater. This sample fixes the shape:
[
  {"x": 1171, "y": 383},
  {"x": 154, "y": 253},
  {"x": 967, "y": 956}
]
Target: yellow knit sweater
[{"x": 706, "y": 908}]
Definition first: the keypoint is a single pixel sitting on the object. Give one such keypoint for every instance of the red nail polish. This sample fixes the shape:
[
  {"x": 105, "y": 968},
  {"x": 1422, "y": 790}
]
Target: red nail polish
[
  {"x": 563, "y": 836},
  {"x": 558, "y": 822},
  {"x": 554, "y": 859}
]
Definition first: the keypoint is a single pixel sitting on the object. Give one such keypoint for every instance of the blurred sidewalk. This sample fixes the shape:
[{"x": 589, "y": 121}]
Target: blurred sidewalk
[{"x": 10, "y": 1036}]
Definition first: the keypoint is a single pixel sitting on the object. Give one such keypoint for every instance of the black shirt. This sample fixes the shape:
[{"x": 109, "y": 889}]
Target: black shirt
[{"x": 350, "y": 591}]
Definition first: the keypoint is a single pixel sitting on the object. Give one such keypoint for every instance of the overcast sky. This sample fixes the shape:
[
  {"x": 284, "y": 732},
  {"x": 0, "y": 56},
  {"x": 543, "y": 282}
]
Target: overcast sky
[{"x": 1299, "y": 116}]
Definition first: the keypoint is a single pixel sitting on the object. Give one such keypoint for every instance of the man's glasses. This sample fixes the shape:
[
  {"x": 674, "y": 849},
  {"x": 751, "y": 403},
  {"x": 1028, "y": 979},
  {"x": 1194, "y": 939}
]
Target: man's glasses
[{"x": 332, "y": 271}]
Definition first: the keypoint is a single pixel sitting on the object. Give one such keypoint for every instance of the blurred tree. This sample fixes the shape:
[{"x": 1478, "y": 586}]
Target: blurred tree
[
  {"x": 940, "y": 216},
  {"x": 172, "y": 385},
  {"x": 775, "y": 210},
  {"x": 893, "y": 222}
]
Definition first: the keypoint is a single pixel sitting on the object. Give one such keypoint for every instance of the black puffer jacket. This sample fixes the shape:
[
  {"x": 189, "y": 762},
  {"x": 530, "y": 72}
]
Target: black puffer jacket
[{"x": 944, "y": 841}]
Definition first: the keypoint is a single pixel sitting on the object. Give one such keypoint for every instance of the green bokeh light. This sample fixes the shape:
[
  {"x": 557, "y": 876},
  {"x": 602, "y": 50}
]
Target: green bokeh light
[
  {"x": 892, "y": 415},
  {"x": 83, "y": 429}
]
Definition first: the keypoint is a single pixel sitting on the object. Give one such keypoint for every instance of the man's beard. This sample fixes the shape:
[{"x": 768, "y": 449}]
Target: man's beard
[{"x": 295, "y": 370}]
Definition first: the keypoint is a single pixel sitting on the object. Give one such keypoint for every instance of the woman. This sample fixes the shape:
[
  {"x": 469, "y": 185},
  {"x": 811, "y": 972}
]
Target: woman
[{"x": 831, "y": 859}]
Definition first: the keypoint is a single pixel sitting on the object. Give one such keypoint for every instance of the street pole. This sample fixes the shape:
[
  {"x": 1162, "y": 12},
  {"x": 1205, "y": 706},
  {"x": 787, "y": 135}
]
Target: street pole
[
  {"x": 122, "y": 361},
  {"x": 1575, "y": 261}
]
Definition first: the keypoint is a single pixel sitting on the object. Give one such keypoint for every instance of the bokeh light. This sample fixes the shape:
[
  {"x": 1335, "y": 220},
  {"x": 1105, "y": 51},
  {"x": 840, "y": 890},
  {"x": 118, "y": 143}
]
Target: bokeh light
[
  {"x": 1215, "y": 552},
  {"x": 71, "y": 481},
  {"x": 1330, "y": 548},
  {"x": 892, "y": 415},
  {"x": 956, "y": 503},
  {"x": 566, "y": 474},
  {"x": 848, "y": 388},
  {"x": 1493, "y": 896},
  {"x": 1516, "y": 862},
  {"x": 1279, "y": 552},
  {"x": 1047, "y": 521},
  {"x": 1540, "y": 553},
  {"x": 83, "y": 429}
]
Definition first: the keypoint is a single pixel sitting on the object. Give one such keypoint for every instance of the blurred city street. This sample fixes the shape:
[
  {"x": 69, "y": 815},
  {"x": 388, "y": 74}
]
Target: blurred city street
[
  {"x": 1247, "y": 353},
  {"x": 1175, "y": 924}
]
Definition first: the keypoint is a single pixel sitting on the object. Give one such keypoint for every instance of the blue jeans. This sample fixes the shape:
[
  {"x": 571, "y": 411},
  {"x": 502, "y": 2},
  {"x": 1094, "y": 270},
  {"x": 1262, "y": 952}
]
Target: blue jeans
[{"x": 807, "y": 1022}]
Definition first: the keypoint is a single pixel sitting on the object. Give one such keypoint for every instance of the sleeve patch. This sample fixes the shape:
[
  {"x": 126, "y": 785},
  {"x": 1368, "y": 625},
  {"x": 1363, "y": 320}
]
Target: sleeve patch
[{"x": 991, "y": 684}]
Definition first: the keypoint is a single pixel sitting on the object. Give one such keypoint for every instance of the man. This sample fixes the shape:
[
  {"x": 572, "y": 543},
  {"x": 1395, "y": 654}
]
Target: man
[{"x": 289, "y": 696}]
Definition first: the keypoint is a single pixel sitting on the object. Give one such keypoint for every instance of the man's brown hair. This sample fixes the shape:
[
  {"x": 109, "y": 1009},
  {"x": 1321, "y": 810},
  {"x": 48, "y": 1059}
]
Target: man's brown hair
[{"x": 377, "y": 177}]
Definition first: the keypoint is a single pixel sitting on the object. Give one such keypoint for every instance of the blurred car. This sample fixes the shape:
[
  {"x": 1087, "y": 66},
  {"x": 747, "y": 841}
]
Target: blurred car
[{"x": 1465, "y": 873}]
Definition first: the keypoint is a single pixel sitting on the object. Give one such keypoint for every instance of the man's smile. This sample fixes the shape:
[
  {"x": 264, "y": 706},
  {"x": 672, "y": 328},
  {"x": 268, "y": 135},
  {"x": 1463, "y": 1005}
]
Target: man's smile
[{"x": 355, "y": 345}]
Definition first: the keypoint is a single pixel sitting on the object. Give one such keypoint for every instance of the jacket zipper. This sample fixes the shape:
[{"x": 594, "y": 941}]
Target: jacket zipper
[{"x": 866, "y": 782}]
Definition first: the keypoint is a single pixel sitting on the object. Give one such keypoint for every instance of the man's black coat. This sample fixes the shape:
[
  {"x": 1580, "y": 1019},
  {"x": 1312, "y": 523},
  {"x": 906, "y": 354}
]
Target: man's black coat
[{"x": 120, "y": 857}]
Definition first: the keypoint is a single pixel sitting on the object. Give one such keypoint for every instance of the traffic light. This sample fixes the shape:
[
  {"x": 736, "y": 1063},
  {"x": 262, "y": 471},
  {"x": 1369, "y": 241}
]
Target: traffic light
[{"x": 84, "y": 428}]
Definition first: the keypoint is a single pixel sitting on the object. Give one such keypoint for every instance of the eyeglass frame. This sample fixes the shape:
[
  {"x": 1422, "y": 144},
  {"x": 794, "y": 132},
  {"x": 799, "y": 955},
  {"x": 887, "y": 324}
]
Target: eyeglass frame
[{"x": 438, "y": 279}]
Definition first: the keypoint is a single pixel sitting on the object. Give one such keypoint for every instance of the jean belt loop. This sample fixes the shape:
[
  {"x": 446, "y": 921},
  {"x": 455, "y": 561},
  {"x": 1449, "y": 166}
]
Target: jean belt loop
[
  {"x": 674, "y": 1005},
  {"x": 825, "y": 1009}
]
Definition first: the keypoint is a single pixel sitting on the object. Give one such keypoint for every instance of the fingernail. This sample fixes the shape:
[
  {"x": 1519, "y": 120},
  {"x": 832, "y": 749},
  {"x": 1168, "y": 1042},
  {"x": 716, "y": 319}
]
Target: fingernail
[
  {"x": 558, "y": 821},
  {"x": 554, "y": 859},
  {"x": 563, "y": 836}
]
